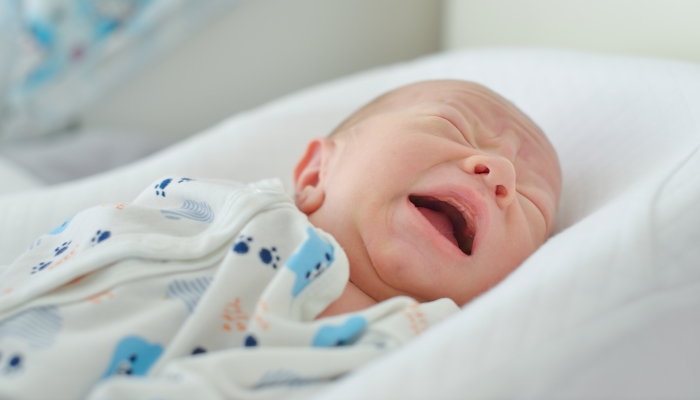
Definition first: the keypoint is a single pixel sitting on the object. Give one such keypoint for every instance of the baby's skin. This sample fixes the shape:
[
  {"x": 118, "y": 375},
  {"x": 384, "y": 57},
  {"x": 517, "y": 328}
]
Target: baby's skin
[{"x": 436, "y": 189}]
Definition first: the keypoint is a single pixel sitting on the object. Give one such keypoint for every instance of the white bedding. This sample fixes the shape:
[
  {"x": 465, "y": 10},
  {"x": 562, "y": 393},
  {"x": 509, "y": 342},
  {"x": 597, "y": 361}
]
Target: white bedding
[{"x": 608, "y": 307}]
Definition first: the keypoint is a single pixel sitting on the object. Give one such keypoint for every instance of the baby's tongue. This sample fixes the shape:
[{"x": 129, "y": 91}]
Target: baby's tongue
[{"x": 440, "y": 222}]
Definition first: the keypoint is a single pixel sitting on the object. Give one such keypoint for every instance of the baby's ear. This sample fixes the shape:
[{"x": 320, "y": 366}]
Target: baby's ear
[{"x": 309, "y": 191}]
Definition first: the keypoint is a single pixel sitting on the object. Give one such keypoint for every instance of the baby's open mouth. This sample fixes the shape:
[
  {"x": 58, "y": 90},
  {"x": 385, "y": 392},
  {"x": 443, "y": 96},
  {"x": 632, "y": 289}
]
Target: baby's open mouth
[{"x": 448, "y": 220}]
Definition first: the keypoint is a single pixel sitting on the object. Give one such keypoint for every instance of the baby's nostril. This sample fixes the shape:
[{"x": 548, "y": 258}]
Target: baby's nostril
[
  {"x": 481, "y": 169},
  {"x": 501, "y": 191}
]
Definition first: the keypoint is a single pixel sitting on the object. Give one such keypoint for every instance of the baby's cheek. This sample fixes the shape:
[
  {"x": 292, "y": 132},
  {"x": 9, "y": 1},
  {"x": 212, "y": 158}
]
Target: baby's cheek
[
  {"x": 385, "y": 261},
  {"x": 524, "y": 151},
  {"x": 396, "y": 272}
]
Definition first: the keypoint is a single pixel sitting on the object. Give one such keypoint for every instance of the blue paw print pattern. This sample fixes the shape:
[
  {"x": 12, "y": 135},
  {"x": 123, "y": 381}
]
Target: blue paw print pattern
[
  {"x": 38, "y": 326},
  {"x": 160, "y": 187},
  {"x": 61, "y": 227},
  {"x": 11, "y": 363},
  {"x": 100, "y": 236},
  {"x": 184, "y": 180},
  {"x": 269, "y": 256},
  {"x": 133, "y": 356},
  {"x": 189, "y": 292},
  {"x": 250, "y": 341},
  {"x": 190, "y": 209},
  {"x": 62, "y": 248},
  {"x": 313, "y": 257},
  {"x": 242, "y": 246},
  {"x": 41, "y": 266},
  {"x": 341, "y": 335}
]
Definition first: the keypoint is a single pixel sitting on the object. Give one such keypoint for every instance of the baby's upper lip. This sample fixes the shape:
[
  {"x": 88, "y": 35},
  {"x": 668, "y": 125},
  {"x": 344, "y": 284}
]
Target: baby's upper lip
[{"x": 468, "y": 203}]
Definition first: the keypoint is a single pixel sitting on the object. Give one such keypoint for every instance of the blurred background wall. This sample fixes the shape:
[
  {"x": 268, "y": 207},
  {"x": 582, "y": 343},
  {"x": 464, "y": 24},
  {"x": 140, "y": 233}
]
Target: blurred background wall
[
  {"x": 658, "y": 28},
  {"x": 263, "y": 49}
]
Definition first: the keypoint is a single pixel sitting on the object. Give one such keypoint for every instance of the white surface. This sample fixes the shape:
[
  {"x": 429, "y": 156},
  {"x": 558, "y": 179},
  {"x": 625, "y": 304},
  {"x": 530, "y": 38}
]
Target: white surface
[
  {"x": 625, "y": 253},
  {"x": 14, "y": 178},
  {"x": 264, "y": 49},
  {"x": 661, "y": 28}
]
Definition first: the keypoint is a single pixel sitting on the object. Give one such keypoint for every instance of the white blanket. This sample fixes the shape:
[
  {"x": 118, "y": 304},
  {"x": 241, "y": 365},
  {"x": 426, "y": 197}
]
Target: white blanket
[
  {"x": 604, "y": 309},
  {"x": 202, "y": 290}
]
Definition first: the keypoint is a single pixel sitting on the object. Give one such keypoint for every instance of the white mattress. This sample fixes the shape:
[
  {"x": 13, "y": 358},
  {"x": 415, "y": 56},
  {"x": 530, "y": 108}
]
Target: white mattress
[{"x": 608, "y": 307}]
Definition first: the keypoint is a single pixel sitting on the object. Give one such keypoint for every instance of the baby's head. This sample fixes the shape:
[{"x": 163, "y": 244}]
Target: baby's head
[{"x": 436, "y": 189}]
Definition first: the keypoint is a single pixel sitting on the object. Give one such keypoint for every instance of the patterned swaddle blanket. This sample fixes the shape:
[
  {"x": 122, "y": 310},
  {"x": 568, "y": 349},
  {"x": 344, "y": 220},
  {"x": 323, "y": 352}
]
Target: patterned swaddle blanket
[{"x": 204, "y": 289}]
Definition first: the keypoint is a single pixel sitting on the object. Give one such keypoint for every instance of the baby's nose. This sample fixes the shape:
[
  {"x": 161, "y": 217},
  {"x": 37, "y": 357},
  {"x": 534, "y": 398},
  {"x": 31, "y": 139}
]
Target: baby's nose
[{"x": 498, "y": 174}]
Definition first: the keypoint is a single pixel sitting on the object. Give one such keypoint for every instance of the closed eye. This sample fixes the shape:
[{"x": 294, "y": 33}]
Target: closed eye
[
  {"x": 455, "y": 131},
  {"x": 540, "y": 210}
]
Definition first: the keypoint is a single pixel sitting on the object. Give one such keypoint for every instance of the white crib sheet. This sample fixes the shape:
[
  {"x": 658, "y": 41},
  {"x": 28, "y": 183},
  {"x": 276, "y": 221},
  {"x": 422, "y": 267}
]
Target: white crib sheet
[{"x": 573, "y": 319}]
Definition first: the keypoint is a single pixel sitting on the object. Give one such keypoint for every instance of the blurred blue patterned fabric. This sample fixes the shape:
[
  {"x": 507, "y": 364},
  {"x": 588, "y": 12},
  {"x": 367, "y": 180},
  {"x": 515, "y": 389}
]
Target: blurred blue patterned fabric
[{"x": 58, "y": 56}]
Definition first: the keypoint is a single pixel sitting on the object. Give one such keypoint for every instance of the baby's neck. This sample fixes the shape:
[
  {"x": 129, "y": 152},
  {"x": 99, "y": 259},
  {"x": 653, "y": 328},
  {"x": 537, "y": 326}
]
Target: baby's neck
[{"x": 353, "y": 299}]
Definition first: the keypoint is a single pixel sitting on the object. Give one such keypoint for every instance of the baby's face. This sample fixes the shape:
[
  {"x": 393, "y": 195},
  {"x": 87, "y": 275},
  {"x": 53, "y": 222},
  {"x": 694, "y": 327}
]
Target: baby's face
[{"x": 439, "y": 189}]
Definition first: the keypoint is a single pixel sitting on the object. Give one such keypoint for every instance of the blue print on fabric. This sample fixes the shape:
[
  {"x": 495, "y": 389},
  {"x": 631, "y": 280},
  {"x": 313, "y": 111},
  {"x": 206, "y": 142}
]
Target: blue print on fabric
[
  {"x": 241, "y": 246},
  {"x": 61, "y": 227},
  {"x": 184, "y": 180},
  {"x": 133, "y": 356},
  {"x": 250, "y": 341},
  {"x": 194, "y": 210},
  {"x": 38, "y": 326},
  {"x": 11, "y": 363},
  {"x": 100, "y": 236},
  {"x": 313, "y": 257},
  {"x": 160, "y": 187},
  {"x": 269, "y": 256},
  {"x": 41, "y": 266},
  {"x": 62, "y": 248},
  {"x": 188, "y": 291},
  {"x": 341, "y": 335}
]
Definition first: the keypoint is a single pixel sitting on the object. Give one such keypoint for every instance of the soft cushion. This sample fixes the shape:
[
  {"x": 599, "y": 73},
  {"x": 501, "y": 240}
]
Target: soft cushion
[{"x": 623, "y": 255}]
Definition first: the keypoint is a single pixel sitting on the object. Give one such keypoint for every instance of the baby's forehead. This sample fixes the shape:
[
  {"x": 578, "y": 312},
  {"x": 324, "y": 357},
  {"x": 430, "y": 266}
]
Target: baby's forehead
[
  {"x": 466, "y": 96},
  {"x": 477, "y": 111},
  {"x": 480, "y": 111},
  {"x": 470, "y": 99}
]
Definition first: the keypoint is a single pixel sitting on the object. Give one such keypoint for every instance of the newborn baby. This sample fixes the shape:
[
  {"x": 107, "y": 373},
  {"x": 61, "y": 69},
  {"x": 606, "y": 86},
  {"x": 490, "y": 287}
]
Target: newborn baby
[
  {"x": 420, "y": 201},
  {"x": 437, "y": 189}
]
